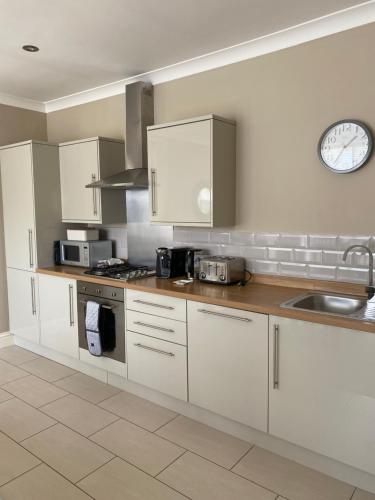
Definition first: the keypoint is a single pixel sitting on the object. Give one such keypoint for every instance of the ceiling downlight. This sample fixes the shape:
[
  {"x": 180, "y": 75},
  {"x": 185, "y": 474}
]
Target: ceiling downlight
[{"x": 30, "y": 48}]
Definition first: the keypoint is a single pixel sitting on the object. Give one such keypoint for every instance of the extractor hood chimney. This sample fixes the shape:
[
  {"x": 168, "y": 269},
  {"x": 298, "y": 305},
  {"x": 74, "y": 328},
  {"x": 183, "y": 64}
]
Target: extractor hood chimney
[{"x": 139, "y": 114}]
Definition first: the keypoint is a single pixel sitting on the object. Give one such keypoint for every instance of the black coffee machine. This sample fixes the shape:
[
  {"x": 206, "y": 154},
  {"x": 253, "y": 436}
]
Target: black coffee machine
[{"x": 170, "y": 262}]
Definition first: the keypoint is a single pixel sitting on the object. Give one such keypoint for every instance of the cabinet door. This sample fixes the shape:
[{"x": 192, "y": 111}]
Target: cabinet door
[
  {"x": 58, "y": 314},
  {"x": 228, "y": 365},
  {"x": 18, "y": 207},
  {"x": 23, "y": 304},
  {"x": 79, "y": 165},
  {"x": 157, "y": 364},
  {"x": 325, "y": 397},
  {"x": 179, "y": 159}
]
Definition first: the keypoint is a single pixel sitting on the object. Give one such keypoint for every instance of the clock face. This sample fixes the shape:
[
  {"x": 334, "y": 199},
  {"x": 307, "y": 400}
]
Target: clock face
[{"x": 345, "y": 146}]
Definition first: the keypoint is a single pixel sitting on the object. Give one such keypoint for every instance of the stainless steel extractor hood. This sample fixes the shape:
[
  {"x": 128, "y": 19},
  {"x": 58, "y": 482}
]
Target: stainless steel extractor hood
[{"x": 139, "y": 114}]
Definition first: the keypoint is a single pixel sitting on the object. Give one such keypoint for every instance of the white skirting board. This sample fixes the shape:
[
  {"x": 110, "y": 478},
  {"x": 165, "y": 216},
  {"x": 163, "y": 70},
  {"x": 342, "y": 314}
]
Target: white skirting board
[
  {"x": 305, "y": 457},
  {"x": 6, "y": 339}
]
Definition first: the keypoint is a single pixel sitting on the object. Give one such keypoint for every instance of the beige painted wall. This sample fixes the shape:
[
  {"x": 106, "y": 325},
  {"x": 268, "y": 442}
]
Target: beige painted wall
[
  {"x": 281, "y": 102},
  {"x": 16, "y": 125}
]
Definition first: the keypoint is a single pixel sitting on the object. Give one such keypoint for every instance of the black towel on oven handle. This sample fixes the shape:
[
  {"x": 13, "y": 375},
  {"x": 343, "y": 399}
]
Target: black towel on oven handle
[{"x": 107, "y": 329}]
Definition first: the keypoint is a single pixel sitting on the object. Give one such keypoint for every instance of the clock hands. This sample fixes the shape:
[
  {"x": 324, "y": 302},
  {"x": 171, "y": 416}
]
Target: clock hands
[{"x": 344, "y": 147}]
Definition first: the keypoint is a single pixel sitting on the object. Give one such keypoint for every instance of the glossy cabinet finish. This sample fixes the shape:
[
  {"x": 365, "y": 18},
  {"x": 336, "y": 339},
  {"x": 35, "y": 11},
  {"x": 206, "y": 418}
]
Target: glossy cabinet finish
[
  {"x": 192, "y": 172},
  {"x": 156, "y": 326},
  {"x": 155, "y": 304},
  {"x": 324, "y": 396},
  {"x": 228, "y": 365},
  {"x": 157, "y": 364},
  {"x": 83, "y": 162},
  {"x": 58, "y": 314},
  {"x": 23, "y": 304}
]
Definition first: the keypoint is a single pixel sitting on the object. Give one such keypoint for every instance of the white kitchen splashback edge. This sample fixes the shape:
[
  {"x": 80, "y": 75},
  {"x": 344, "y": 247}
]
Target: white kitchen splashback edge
[{"x": 298, "y": 255}]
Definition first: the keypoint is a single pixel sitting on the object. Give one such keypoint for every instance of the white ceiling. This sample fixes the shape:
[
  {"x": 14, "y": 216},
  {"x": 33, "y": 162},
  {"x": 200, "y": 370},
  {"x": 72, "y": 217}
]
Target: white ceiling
[{"x": 88, "y": 43}]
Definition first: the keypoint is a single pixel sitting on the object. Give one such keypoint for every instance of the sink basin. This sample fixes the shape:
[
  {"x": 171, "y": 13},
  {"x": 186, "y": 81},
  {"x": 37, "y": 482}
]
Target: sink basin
[{"x": 339, "y": 305}]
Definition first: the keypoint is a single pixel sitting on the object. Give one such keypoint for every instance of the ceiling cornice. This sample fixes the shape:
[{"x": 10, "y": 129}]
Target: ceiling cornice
[{"x": 330, "y": 24}]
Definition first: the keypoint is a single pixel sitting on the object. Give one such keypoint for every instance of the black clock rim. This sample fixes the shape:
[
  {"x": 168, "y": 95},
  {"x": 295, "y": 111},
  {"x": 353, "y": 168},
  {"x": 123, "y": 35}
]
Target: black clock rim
[{"x": 366, "y": 157}]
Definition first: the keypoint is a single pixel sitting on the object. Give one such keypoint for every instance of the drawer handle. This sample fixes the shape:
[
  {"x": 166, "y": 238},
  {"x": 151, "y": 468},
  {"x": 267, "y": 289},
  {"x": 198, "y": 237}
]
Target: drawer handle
[
  {"x": 159, "y": 351},
  {"x": 222, "y": 315},
  {"x": 146, "y": 303},
  {"x": 147, "y": 325}
]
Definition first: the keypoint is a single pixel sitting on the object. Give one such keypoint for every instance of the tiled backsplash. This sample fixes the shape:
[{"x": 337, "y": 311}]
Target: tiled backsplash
[{"x": 301, "y": 255}]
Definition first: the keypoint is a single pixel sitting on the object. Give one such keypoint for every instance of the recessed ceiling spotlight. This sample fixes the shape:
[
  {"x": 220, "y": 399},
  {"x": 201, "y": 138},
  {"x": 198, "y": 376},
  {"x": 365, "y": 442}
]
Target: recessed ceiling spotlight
[{"x": 30, "y": 48}]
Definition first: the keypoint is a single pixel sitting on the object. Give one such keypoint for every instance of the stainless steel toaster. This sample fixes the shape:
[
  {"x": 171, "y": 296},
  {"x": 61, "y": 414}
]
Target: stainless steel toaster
[{"x": 222, "y": 269}]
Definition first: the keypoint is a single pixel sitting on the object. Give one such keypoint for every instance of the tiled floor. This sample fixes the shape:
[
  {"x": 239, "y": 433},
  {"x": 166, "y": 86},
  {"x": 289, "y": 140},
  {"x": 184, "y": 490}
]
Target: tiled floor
[{"x": 64, "y": 435}]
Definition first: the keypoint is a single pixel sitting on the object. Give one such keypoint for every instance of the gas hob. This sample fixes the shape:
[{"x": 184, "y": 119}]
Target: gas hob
[{"x": 124, "y": 272}]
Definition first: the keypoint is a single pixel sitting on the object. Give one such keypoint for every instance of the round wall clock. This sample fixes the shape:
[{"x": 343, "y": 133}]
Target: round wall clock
[{"x": 345, "y": 146}]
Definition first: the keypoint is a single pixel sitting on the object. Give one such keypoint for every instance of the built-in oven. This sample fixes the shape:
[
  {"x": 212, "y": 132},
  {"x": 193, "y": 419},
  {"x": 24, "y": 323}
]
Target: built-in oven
[{"x": 108, "y": 297}]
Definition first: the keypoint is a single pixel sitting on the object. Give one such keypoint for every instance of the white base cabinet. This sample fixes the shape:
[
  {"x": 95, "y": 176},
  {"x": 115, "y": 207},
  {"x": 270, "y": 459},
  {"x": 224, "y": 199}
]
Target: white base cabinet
[
  {"x": 23, "y": 304},
  {"x": 157, "y": 364},
  {"x": 228, "y": 367},
  {"x": 58, "y": 314},
  {"x": 325, "y": 398}
]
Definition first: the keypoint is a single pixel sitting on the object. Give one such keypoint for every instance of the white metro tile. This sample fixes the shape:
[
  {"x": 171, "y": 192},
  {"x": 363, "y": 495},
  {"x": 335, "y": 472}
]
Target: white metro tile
[
  {"x": 334, "y": 258},
  {"x": 289, "y": 269},
  {"x": 352, "y": 274},
  {"x": 254, "y": 252},
  {"x": 265, "y": 267},
  {"x": 238, "y": 238},
  {"x": 266, "y": 239},
  {"x": 346, "y": 241},
  {"x": 321, "y": 242},
  {"x": 322, "y": 272},
  {"x": 293, "y": 240},
  {"x": 308, "y": 256},
  {"x": 200, "y": 236},
  {"x": 181, "y": 235},
  {"x": 279, "y": 254},
  {"x": 219, "y": 237}
]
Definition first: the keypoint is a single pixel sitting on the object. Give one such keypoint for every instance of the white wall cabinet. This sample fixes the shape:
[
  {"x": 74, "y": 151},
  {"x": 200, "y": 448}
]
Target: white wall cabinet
[
  {"x": 325, "y": 398},
  {"x": 23, "y": 304},
  {"x": 58, "y": 314},
  {"x": 31, "y": 203},
  {"x": 85, "y": 161},
  {"x": 192, "y": 172},
  {"x": 227, "y": 362}
]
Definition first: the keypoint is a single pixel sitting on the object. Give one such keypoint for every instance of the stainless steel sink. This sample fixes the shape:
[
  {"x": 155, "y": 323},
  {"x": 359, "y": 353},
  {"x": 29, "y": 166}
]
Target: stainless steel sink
[{"x": 338, "y": 305}]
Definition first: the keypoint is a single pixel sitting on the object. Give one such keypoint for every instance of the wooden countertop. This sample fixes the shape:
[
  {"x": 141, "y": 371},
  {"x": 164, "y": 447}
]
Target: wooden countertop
[{"x": 262, "y": 295}]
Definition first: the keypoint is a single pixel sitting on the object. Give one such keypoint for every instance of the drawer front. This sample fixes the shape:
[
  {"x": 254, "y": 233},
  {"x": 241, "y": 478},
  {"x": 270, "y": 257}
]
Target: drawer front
[
  {"x": 158, "y": 305},
  {"x": 155, "y": 326},
  {"x": 157, "y": 364}
]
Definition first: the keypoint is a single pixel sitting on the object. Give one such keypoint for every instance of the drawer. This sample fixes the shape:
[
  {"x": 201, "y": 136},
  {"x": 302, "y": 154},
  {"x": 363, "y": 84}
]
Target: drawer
[
  {"x": 157, "y": 364},
  {"x": 158, "y": 305},
  {"x": 156, "y": 326}
]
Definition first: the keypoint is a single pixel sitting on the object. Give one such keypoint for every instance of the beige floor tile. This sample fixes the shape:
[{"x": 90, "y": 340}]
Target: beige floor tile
[
  {"x": 9, "y": 372},
  {"x": 4, "y": 396},
  {"x": 138, "y": 410},
  {"x": 41, "y": 483},
  {"x": 79, "y": 415},
  {"x": 147, "y": 451},
  {"x": 119, "y": 480},
  {"x": 200, "y": 479},
  {"x": 363, "y": 495},
  {"x": 47, "y": 369},
  {"x": 67, "y": 452},
  {"x": 20, "y": 421},
  {"x": 16, "y": 355},
  {"x": 207, "y": 442},
  {"x": 290, "y": 479},
  {"x": 87, "y": 387},
  {"x": 35, "y": 391},
  {"x": 14, "y": 460}
]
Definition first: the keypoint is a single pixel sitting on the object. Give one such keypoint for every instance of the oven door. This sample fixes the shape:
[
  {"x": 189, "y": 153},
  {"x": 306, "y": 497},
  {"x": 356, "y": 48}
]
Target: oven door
[
  {"x": 71, "y": 253},
  {"x": 117, "y": 307}
]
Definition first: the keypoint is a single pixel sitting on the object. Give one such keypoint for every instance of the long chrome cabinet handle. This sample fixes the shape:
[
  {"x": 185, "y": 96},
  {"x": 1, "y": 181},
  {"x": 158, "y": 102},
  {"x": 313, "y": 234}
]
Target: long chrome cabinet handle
[
  {"x": 94, "y": 200},
  {"x": 71, "y": 308},
  {"x": 147, "y": 325},
  {"x": 276, "y": 349},
  {"x": 165, "y": 353},
  {"x": 153, "y": 189},
  {"x": 146, "y": 303},
  {"x": 222, "y": 315},
  {"x": 33, "y": 302},
  {"x": 31, "y": 253}
]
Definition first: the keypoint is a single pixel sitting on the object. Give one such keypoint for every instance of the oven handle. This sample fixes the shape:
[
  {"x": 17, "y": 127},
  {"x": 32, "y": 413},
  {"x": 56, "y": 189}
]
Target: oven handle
[{"x": 104, "y": 306}]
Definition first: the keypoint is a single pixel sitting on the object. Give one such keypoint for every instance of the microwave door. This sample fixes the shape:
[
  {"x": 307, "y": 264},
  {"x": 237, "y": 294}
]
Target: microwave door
[{"x": 71, "y": 253}]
